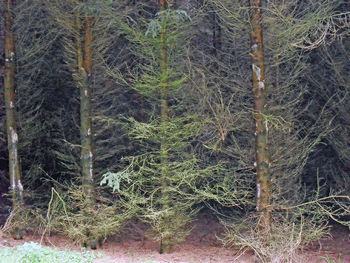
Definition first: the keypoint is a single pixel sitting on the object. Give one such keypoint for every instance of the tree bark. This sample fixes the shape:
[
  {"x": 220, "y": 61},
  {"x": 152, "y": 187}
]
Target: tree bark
[
  {"x": 10, "y": 105},
  {"x": 84, "y": 68},
  {"x": 85, "y": 112},
  {"x": 262, "y": 154}
]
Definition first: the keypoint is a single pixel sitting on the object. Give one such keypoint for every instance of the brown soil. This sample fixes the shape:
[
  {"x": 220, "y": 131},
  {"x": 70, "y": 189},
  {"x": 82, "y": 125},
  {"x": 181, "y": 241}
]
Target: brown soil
[{"x": 202, "y": 246}]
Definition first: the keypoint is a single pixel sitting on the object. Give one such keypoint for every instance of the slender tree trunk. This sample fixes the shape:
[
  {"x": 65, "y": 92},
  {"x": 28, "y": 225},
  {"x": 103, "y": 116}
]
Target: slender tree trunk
[
  {"x": 164, "y": 77},
  {"x": 84, "y": 56},
  {"x": 85, "y": 112},
  {"x": 164, "y": 89},
  {"x": 10, "y": 105},
  {"x": 262, "y": 154},
  {"x": 163, "y": 5},
  {"x": 84, "y": 40}
]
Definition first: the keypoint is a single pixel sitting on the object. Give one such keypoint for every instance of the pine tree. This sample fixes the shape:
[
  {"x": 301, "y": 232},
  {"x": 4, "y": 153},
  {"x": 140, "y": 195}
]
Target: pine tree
[
  {"x": 86, "y": 221},
  {"x": 160, "y": 179},
  {"x": 228, "y": 101}
]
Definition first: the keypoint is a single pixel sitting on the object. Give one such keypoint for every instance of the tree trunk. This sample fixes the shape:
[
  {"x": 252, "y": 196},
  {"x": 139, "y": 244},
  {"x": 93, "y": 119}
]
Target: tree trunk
[
  {"x": 84, "y": 55},
  {"x": 262, "y": 154},
  {"x": 85, "y": 112},
  {"x": 10, "y": 105},
  {"x": 84, "y": 68},
  {"x": 164, "y": 79}
]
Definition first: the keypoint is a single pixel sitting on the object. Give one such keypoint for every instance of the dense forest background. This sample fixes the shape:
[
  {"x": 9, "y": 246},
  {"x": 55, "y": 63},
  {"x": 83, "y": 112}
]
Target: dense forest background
[{"x": 146, "y": 110}]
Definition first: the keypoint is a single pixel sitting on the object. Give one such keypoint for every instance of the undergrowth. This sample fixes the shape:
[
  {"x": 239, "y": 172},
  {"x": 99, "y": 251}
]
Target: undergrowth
[
  {"x": 20, "y": 220},
  {"x": 283, "y": 244},
  {"x": 34, "y": 253},
  {"x": 73, "y": 215}
]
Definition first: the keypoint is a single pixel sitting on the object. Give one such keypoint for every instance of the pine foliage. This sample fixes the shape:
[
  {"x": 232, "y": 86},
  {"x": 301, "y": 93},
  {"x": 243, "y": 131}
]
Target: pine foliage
[{"x": 161, "y": 179}]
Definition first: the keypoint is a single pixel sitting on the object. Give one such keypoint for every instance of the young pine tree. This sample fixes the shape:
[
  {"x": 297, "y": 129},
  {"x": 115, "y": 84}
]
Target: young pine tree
[{"x": 161, "y": 178}]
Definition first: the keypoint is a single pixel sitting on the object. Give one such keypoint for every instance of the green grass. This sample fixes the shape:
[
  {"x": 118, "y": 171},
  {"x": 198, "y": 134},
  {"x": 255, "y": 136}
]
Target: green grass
[{"x": 34, "y": 253}]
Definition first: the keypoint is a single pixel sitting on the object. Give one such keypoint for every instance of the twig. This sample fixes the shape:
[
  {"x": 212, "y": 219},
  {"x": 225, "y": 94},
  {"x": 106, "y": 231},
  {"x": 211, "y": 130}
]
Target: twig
[{"x": 315, "y": 201}]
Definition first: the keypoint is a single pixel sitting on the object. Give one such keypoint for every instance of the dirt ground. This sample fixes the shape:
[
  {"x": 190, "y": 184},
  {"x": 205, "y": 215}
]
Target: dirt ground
[{"x": 202, "y": 246}]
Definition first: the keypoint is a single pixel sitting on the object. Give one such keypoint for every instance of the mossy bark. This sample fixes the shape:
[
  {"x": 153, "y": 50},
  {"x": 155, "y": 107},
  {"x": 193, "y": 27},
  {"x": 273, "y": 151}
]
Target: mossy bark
[
  {"x": 84, "y": 71},
  {"x": 86, "y": 114},
  {"x": 10, "y": 104},
  {"x": 262, "y": 154},
  {"x": 11, "y": 124},
  {"x": 84, "y": 54}
]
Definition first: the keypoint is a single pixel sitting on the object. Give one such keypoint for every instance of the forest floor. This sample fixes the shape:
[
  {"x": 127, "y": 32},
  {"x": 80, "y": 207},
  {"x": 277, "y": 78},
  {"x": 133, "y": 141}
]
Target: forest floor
[{"x": 202, "y": 246}]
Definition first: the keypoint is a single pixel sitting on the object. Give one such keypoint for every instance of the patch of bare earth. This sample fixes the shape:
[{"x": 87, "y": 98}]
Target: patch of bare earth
[{"x": 202, "y": 246}]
